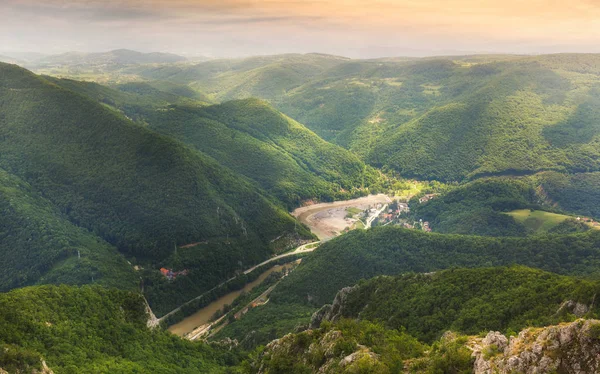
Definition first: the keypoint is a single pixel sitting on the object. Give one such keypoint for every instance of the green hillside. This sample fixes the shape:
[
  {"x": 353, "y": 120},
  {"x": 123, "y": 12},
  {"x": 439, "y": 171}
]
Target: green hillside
[
  {"x": 248, "y": 136},
  {"x": 539, "y": 202},
  {"x": 391, "y": 250},
  {"x": 433, "y": 118},
  {"x": 578, "y": 193},
  {"x": 283, "y": 156},
  {"x": 489, "y": 299},
  {"x": 538, "y": 220},
  {"x": 142, "y": 192},
  {"x": 94, "y": 330},
  {"x": 38, "y": 244},
  {"x": 478, "y": 208}
]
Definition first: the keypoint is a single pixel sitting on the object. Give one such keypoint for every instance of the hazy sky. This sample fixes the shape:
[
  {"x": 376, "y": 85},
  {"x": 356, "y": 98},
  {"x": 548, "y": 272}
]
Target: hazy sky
[{"x": 354, "y": 28}]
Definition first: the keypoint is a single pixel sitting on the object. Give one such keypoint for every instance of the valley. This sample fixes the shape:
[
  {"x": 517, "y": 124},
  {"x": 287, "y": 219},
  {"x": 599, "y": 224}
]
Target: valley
[
  {"x": 298, "y": 213},
  {"x": 201, "y": 319}
]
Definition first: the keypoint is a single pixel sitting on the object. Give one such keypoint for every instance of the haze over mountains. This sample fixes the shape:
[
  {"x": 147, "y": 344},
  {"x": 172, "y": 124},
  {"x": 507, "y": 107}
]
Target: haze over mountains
[{"x": 132, "y": 184}]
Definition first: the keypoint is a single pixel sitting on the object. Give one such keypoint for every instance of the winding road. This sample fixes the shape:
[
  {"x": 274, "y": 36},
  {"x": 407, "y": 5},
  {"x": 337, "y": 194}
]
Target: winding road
[{"x": 304, "y": 248}]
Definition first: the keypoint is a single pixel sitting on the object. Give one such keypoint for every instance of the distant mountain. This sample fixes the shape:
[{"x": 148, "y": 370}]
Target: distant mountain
[
  {"x": 266, "y": 77},
  {"x": 24, "y": 56},
  {"x": 446, "y": 118},
  {"x": 140, "y": 191},
  {"x": 10, "y": 60},
  {"x": 116, "y": 57}
]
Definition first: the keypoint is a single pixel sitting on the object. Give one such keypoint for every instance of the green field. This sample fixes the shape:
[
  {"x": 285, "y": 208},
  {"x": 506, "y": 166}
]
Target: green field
[{"x": 537, "y": 220}]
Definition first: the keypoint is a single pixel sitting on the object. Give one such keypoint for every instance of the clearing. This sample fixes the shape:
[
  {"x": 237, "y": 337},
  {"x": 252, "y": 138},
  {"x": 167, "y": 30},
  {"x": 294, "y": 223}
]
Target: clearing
[{"x": 537, "y": 220}]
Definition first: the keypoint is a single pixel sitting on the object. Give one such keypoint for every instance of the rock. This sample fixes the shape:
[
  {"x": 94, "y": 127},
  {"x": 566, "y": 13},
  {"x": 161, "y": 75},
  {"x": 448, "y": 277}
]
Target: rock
[
  {"x": 573, "y": 307},
  {"x": 495, "y": 338},
  {"x": 334, "y": 311},
  {"x": 565, "y": 348},
  {"x": 227, "y": 343},
  {"x": 353, "y": 357}
]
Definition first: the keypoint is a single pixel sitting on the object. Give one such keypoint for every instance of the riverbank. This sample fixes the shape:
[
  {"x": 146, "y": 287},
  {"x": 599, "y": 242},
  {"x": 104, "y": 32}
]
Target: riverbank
[
  {"x": 328, "y": 220},
  {"x": 203, "y": 316}
]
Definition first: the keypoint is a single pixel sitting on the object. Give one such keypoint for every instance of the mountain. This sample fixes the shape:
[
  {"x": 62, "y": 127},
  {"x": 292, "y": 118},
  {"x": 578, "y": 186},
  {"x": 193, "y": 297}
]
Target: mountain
[
  {"x": 142, "y": 192},
  {"x": 115, "y": 57},
  {"x": 488, "y": 299},
  {"x": 446, "y": 118},
  {"x": 256, "y": 140},
  {"x": 248, "y": 136},
  {"x": 264, "y": 77},
  {"x": 10, "y": 60},
  {"x": 61, "y": 329}
]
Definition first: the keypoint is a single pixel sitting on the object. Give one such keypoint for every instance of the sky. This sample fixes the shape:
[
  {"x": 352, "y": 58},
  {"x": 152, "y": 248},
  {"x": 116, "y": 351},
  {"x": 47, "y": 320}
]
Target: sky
[{"x": 352, "y": 28}]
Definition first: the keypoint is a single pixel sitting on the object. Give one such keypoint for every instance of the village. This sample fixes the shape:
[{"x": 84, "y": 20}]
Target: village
[{"x": 380, "y": 214}]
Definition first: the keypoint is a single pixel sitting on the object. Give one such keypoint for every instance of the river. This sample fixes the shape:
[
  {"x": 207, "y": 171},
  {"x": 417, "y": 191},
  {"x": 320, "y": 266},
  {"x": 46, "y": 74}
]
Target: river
[{"x": 204, "y": 315}]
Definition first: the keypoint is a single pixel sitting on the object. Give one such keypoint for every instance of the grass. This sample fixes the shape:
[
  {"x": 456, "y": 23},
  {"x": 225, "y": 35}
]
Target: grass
[
  {"x": 353, "y": 210},
  {"x": 537, "y": 220}
]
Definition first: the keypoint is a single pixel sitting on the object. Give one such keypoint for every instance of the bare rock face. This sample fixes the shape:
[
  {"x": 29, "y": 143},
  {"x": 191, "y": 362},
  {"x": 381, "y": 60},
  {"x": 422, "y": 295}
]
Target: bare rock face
[
  {"x": 573, "y": 307},
  {"x": 45, "y": 370},
  {"x": 317, "y": 353},
  {"x": 332, "y": 312},
  {"x": 566, "y": 348}
]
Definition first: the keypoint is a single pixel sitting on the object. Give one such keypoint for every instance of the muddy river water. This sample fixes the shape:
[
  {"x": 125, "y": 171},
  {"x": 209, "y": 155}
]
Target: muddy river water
[{"x": 204, "y": 315}]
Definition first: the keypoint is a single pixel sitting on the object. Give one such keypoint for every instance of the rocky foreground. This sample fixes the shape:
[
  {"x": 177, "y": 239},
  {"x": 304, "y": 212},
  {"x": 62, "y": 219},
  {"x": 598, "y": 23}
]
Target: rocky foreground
[{"x": 565, "y": 348}]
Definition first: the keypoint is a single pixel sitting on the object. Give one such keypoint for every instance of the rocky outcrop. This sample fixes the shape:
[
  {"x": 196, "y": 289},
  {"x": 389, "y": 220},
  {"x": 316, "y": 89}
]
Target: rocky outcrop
[
  {"x": 315, "y": 353},
  {"x": 332, "y": 312},
  {"x": 573, "y": 307},
  {"x": 566, "y": 348},
  {"x": 44, "y": 369}
]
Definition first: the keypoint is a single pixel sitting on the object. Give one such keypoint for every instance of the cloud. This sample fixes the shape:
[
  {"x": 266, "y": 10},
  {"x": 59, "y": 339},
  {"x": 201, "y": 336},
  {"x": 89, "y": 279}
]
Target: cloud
[{"x": 352, "y": 27}]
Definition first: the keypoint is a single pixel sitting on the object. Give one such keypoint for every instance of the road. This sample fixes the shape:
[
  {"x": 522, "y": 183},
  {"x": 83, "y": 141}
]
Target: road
[
  {"x": 372, "y": 218},
  {"x": 301, "y": 249}
]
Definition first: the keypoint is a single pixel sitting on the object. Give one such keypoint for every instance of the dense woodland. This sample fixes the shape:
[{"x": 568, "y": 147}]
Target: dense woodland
[
  {"x": 143, "y": 193},
  {"x": 390, "y": 250},
  {"x": 94, "y": 330},
  {"x": 247, "y": 136},
  {"x": 438, "y": 118},
  {"x": 469, "y": 300}
]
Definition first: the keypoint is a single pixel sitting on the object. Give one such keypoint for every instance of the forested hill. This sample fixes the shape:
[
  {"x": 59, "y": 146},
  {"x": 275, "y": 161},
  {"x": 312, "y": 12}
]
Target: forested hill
[
  {"x": 468, "y": 300},
  {"x": 447, "y": 118},
  {"x": 38, "y": 244},
  {"x": 94, "y": 330},
  {"x": 256, "y": 140},
  {"x": 389, "y": 250},
  {"x": 248, "y": 136},
  {"x": 140, "y": 191}
]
